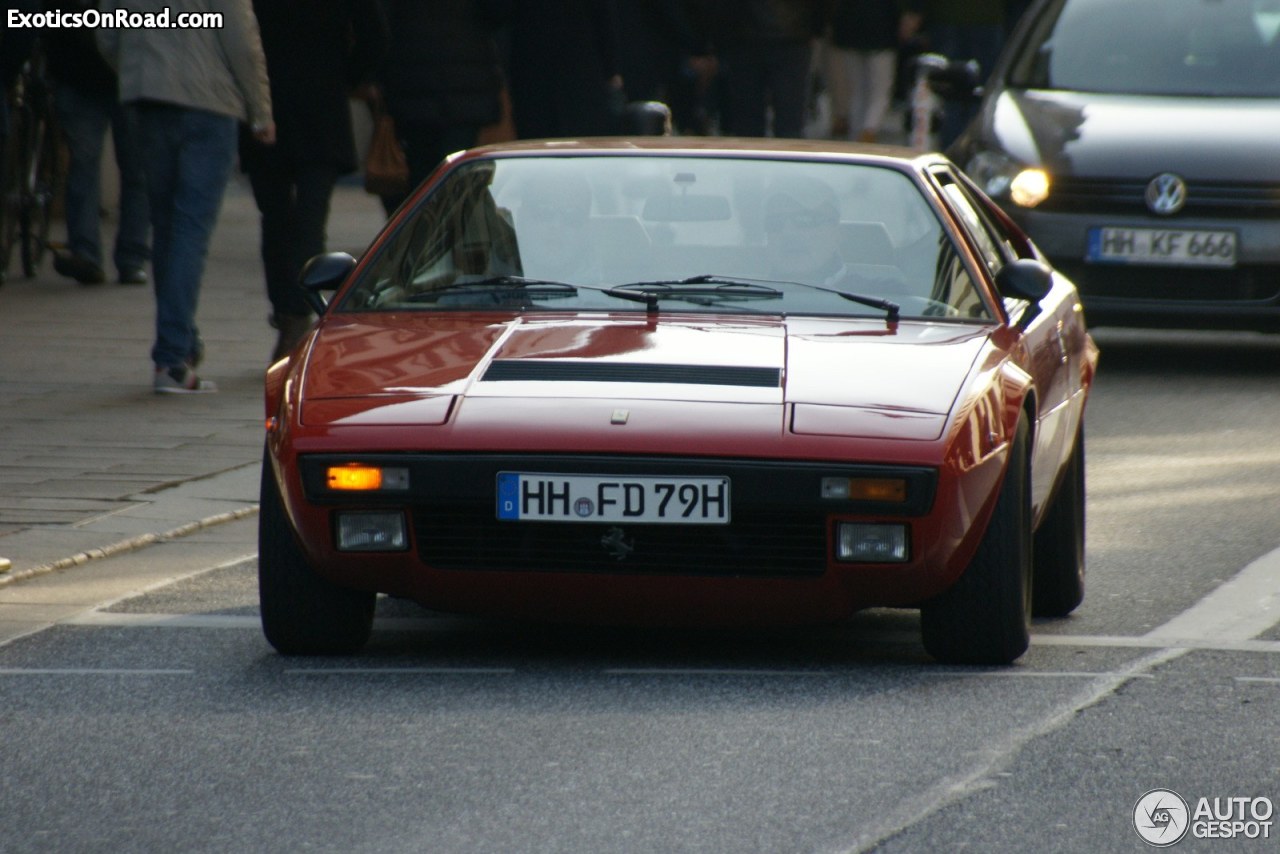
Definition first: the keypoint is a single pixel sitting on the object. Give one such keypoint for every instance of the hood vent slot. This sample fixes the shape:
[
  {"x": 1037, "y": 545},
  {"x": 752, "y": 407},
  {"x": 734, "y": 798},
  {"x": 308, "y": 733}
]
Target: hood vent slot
[{"x": 538, "y": 370}]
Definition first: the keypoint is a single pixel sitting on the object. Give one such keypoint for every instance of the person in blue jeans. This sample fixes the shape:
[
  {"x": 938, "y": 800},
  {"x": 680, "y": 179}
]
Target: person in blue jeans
[
  {"x": 87, "y": 106},
  {"x": 189, "y": 88}
]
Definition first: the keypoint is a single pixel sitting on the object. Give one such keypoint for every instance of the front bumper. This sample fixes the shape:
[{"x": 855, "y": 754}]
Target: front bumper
[{"x": 774, "y": 563}]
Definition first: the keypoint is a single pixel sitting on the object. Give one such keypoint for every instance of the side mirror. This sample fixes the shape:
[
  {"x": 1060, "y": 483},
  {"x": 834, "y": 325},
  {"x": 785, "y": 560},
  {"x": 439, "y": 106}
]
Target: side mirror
[
  {"x": 952, "y": 80},
  {"x": 1025, "y": 279},
  {"x": 324, "y": 272}
]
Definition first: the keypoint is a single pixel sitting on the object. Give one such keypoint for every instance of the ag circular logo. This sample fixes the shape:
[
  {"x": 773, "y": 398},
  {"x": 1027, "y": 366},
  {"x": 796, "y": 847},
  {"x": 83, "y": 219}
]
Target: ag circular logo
[{"x": 1161, "y": 817}]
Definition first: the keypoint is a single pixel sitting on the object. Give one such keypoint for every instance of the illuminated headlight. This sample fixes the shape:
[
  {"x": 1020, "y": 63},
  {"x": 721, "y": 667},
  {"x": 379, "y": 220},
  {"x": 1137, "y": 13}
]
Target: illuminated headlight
[
  {"x": 858, "y": 542},
  {"x": 1001, "y": 177},
  {"x": 371, "y": 532}
]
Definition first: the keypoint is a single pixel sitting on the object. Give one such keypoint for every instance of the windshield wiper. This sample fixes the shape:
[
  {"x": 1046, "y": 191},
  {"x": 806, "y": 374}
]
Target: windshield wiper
[
  {"x": 700, "y": 290},
  {"x": 746, "y": 287},
  {"x": 500, "y": 285}
]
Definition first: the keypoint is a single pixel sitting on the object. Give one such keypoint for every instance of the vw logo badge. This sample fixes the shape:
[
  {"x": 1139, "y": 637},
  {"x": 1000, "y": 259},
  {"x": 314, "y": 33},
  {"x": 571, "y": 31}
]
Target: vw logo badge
[{"x": 1166, "y": 194}]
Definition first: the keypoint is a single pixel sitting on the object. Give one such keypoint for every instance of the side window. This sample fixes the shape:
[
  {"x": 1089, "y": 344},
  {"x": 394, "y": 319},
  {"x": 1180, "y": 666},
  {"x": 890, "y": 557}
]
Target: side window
[
  {"x": 989, "y": 246},
  {"x": 995, "y": 244},
  {"x": 457, "y": 232}
]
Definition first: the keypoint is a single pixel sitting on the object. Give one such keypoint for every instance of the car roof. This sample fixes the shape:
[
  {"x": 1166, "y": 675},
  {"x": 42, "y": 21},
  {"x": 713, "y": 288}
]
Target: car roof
[{"x": 799, "y": 149}]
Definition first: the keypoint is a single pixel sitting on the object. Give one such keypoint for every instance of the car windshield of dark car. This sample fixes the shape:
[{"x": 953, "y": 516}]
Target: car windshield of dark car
[
  {"x": 634, "y": 232},
  {"x": 1228, "y": 48}
]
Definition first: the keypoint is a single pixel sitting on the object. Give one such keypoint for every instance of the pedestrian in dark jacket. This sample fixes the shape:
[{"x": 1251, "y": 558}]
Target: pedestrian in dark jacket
[
  {"x": 88, "y": 104},
  {"x": 317, "y": 51},
  {"x": 566, "y": 72},
  {"x": 442, "y": 79},
  {"x": 765, "y": 49}
]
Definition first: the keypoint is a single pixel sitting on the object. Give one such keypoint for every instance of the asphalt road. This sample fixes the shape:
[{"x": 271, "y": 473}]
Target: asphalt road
[{"x": 160, "y": 720}]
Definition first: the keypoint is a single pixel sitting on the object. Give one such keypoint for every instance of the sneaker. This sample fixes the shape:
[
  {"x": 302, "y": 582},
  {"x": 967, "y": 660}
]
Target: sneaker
[
  {"x": 181, "y": 380},
  {"x": 133, "y": 276},
  {"x": 79, "y": 268}
]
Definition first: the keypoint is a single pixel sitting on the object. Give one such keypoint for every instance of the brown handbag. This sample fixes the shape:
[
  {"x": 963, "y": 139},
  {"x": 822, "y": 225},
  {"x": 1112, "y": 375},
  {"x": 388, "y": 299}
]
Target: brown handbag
[{"x": 386, "y": 172}]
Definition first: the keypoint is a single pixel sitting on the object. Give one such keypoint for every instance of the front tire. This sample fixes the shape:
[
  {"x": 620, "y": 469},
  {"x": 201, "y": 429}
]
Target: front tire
[
  {"x": 985, "y": 618},
  {"x": 302, "y": 613},
  {"x": 1058, "y": 585}
]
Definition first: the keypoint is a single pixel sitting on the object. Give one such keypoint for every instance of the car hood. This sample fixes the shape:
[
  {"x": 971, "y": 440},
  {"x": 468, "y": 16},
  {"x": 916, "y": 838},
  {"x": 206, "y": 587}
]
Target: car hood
[
  {"x": 1092, "y": 135},
  {"x": 898, "y": 381}
]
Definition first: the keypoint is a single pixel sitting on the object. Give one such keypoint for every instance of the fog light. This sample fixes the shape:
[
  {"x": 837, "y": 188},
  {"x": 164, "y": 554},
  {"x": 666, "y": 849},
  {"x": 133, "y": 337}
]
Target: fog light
[
  {"x": 371, "y": 532},
  {"x": 858, "y": 542}
]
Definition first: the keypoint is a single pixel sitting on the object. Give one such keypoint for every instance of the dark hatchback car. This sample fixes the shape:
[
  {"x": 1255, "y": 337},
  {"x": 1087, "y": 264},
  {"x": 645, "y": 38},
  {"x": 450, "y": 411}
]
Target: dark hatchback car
[{"x": 1138, "y": 143}]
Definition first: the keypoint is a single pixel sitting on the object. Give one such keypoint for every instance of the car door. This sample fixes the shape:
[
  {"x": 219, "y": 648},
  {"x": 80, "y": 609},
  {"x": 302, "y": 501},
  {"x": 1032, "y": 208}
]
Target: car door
[{"x": 1052, "y": 336}]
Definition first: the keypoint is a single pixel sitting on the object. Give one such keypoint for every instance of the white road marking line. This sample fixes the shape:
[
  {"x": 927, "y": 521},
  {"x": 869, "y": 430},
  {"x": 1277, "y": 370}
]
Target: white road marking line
[
  {"x": 708, "y": 671},
  {"x": 1266, "y": 680},
  {"x": 400, "y": 671},
  {"x": 214, "y": 621},
  {"x": 169, "y": 621},
  {"x": 1242, "y": 608},
  {"x": 1155, "y": 642},
  {"x": 88, "y": 671},
  {"x": 998, "y": 755},
  {"x": 1033, "y": 674}
]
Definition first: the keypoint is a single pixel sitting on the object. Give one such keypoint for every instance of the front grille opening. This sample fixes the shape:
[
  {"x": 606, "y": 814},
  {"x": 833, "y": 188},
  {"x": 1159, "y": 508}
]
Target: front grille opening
[
  {"x": 751, "y": 545},
  {"x": 1242, "y": 284}
]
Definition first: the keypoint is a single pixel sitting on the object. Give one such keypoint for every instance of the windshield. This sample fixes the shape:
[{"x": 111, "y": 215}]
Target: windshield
[
  {"x": 1154, "y": 47},
  {"x": 647, "y": 233}
]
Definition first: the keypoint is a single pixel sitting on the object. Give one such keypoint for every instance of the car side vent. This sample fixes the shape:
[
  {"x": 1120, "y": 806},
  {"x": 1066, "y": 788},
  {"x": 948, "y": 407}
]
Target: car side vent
[{"x": 534, "y": 370}]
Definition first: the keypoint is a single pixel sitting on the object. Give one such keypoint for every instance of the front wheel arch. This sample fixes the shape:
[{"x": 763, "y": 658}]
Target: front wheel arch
[
  {"x": 302, "y": 613},
  {"x": 985, "y": 617}
]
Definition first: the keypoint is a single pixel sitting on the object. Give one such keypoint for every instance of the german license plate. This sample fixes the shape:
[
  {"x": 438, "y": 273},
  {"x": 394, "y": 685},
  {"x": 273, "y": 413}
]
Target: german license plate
[
  {"x": 1174, "y": 247},
  {"x": 542, "y": 497}
]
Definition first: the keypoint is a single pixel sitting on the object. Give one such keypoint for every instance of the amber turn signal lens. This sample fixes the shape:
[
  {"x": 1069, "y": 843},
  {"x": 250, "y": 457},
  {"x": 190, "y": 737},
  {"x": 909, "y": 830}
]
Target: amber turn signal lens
[
  {"x": 892, "y": 489},
  {"x": 877, "y": 489},
  {"x": 355, "y": 478}
]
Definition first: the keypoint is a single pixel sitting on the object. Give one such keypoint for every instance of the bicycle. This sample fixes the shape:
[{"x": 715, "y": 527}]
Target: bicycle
[{"x": 32, "y": 169}]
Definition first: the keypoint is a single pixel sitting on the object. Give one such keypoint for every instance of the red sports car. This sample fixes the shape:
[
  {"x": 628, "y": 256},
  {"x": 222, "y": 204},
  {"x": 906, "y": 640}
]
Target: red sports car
[{"x": 683, "y": 382}]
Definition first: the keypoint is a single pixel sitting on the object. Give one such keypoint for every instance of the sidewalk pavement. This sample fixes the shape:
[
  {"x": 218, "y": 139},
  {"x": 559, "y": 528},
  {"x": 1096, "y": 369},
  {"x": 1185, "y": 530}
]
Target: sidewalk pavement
[{"x": 94, "y": 463}]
